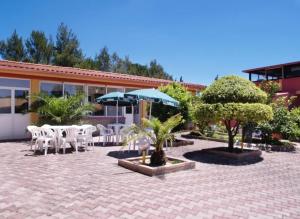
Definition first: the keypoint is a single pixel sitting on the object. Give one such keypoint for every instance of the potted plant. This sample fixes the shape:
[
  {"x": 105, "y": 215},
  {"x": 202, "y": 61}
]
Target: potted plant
[{"x": 159, "y": 132}]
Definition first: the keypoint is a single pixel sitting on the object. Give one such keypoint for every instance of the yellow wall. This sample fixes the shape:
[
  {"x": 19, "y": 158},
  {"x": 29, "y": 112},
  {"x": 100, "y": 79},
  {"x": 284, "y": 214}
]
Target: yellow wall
[{"x": 34, "y": 89}]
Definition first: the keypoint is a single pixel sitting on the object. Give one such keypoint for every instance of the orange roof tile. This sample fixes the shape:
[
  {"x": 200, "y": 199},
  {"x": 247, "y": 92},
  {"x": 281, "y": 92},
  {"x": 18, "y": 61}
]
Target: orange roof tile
[{"x": 69, "y": 71}]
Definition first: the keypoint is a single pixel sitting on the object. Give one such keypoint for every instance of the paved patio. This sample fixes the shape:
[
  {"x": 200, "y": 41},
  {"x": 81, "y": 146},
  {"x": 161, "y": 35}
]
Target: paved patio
[{"x": 91, "y": 185}]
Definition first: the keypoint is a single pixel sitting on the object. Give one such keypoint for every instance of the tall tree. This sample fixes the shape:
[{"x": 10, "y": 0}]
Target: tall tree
[
  {"x": 67, "y": 51},
  {"x": 13, "y": 48},
  {"x": 87, "y": 63},
  {"x": 157, "y": 71},
  {"x": 103, "y": 61},
  {"x": 39, "y": 48},
  {"x": 116, "y": 62}
]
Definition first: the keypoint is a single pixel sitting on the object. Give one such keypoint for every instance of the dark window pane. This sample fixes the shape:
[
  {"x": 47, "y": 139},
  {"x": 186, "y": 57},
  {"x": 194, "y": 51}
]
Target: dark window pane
[
  {"x": 21, "y": 101},
  {"x": 93, "y": 94},
  {"x": 5, "y": 101},
  {"x": 14, "y": 83},
  {"x": 72, "y": 89},
  {"x": 52, "y": 89}
]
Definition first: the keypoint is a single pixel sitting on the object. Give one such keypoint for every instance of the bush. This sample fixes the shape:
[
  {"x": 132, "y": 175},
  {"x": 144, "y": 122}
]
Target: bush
[
  {"x": 60, "y": 110},
  {"x": 235, "y": 101},
  {"x": 179, "y": 93}
]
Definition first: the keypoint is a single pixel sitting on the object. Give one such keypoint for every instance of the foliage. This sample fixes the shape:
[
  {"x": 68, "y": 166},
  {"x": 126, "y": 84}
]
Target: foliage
[
  {"x": 181, "y": 94},
  {"x": 161, "y": 133},
  {"x": 284, "y": 122},
  {"x": 39, "y": 48},
  {"x": 235, "y": 101},
  {"x": 13, "y": 48},
  {"x": 60, "y": 110},
  {"x": 271, "y": 88},
  {"x": 295, "y": 115},
  {"x": 67, "y": 51},
  {"x": 103, "y": 61},
  {"x": 233, "y": 89}
]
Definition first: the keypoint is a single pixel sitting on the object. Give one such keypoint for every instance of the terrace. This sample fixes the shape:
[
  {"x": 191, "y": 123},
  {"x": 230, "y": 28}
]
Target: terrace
[{"x": 91, "y": 185}]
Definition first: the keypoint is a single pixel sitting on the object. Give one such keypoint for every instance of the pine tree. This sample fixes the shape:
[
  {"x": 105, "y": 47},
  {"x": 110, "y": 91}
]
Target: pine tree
[
  {"x": 39, "y": 48},
  {"x": 103, "y": 61},
  {"x": 67, "y": 51},
  {"x": 13, "y": 48},
  {"x": 116, "y": 62}
]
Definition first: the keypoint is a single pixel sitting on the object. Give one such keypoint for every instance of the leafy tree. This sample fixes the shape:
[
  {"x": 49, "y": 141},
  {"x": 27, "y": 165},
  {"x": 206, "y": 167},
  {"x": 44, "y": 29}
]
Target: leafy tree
[
  {"x": 157, "y": 71},
  {"x": 60, "y": 110},
  {"x": 161, "y": 134},
  {"x": 235, "y": 101},
  {"x": 115, "y": 62},
  {"x": 271, "y": 88},
  {"x": 295, "y": 115},
  {"x": 87, "y": 63},
  {"x": 67, "y": 51},
  {"x": 103, "y": 62},
  {"x": 39, "y": 48},
  {"x": 181, "y": 94},
  {"x": 13, "y": 48},
  {"x": 137, "y": 69}
]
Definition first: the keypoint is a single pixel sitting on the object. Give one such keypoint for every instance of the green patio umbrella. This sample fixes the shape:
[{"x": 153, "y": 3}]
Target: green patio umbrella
[
  {"x": 152, "y": 95},
  {"x": 115, "y": 99}
]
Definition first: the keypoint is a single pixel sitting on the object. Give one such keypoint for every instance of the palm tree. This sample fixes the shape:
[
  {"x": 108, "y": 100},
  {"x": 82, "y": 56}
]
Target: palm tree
[
  {"x": 160, "y": 134},
  {"x": 60, "y": 110}
]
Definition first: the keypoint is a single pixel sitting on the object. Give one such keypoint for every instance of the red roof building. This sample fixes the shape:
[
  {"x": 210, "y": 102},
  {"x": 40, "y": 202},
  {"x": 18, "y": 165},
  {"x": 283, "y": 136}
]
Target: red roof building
[
  {"x": 287, "y": 74},
  {"x": 20, "y": 79}
]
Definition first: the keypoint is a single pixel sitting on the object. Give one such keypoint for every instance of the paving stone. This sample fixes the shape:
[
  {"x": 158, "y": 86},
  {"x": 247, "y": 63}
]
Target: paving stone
[{"x": 91, "y": 185}]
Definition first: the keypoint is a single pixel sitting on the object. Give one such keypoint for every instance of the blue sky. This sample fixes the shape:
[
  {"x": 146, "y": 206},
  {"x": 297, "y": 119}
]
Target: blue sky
[{"x": 195, "y": 39}]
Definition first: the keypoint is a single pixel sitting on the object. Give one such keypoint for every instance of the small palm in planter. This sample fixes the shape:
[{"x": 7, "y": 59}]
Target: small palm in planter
[{"x": 159, "y": 134}]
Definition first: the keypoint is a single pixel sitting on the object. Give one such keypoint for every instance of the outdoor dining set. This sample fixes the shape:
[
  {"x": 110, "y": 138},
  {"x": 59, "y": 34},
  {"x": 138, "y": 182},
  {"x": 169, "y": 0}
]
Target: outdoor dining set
[
  {"x": 75, "y": 136},
  {"x": 58, "y": 137}
]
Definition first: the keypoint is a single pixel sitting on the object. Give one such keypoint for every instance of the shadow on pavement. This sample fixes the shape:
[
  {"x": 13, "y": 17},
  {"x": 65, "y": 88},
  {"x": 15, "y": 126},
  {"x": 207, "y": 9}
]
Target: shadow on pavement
[
  {"x": 123, "y": 154},
  {"x": 206, "y": 157}
]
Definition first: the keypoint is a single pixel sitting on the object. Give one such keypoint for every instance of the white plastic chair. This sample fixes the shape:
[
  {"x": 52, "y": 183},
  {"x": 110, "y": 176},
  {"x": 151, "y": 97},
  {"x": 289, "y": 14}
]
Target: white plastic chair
[
  {"x": 143, "y": 144},
  {"x": 46, "y": 139},
  {"x": 168, "y": 144},
  {"x": 125, "y": 135},
  {"x": 86, "y": 136},
  {"x": 71, "y": 138},
  {"x": 35, "y": 133},
  {"x": 107, "y": 133}
]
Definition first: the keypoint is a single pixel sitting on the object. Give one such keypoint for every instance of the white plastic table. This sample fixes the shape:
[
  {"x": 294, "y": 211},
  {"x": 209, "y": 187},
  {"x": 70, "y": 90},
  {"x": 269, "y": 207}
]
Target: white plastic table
[{"x": 116, "y": 127}]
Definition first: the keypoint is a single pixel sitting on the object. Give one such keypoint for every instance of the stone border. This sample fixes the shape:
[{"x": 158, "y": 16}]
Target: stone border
[
  {"x": 246, "y": 155},
  {"x": 154, "y": 171}
]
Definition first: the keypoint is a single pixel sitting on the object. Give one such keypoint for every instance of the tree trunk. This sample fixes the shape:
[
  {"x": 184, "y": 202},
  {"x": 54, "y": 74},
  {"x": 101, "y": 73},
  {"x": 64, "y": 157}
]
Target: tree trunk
[
  {"x": 230, "y": 135},
  {"x": 230, "y": 142}
]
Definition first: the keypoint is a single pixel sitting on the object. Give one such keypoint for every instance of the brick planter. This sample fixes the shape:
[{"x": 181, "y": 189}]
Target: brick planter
[
  {"x": 173, "y": 165},
  {"x": 247, "y": 154}
]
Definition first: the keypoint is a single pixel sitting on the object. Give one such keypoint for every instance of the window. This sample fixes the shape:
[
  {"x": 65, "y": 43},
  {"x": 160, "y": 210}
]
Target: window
[
  {"x": 52, "y": 89},
  {"x": 93, "y": 93},
  {"x": 21, "y": 101},
  {"x": 8, "y": 82},
  {"x": 111, "y": 110},
  {"x": 5, "y": 101},
  {"x": 72, "y": 89}
]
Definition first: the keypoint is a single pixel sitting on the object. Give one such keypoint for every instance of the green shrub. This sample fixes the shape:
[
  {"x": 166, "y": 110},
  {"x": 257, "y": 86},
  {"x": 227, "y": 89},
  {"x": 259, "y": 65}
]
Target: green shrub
[
  {"x": 60, "y": 110},
  {"x": 235, "y": 101},
  {"x": 179, "y": 93}
]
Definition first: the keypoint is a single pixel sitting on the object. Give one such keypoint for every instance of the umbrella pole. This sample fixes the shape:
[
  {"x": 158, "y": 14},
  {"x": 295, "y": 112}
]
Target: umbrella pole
[
  {"x": 117, "y": 109},
  {"x": 150, "y": 110},
  {"x": 132, "y": 110}
]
